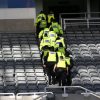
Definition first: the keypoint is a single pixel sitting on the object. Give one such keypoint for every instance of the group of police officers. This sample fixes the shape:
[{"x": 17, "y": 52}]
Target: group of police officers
[{"x": 56, "y": 60}]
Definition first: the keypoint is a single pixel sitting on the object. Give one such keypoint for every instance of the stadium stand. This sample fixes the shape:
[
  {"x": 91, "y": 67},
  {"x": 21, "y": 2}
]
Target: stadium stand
[
  {"x": 84, "y": 44},
  {"x": 21, "y": 72},
  {"x": 20, "y": 64},
  {"x": 21, "y": 67}
]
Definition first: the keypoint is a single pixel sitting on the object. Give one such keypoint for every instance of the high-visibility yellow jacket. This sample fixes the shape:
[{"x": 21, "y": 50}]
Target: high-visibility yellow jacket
[
  {"x": 52, "y": 35},
  {"x": 51, "y": 56},
  {"x": 44, "y": 42},
  {"x": 58, "y": 41},
  {"x": 50, "y": 16},
  {"x": 45, "y": 53},
  {"x": 60, "y": 54},
  {"x": 56, "y": 28},
  {"x": 61, "y": 63},
  {"x": 60, "y": 45},
  {"x": 68, "y": 61},
  {"x": 43, "y": 24},
  {"x": 40, "y": 17},
  {"x": 43, "y": 32}
]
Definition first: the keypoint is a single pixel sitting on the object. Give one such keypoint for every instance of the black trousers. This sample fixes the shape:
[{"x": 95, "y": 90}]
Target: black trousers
[
  {"x": 69, "y": 78},
  {"x": 50, "y": 73},
  {"x": 61, "y": 76}
]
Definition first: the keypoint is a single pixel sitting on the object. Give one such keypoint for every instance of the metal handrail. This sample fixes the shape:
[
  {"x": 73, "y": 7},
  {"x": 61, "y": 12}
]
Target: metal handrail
[
  {"x": 88, "y": 23},
  {"x": 86, "y": 90},
  {"x": 82, "y": 23},
  {"x": 34, "y": 93},
  {"x": 91, "y": 94},
  {"x": 7, "y": 94},
  {"x": 80, "y": 19},
  {"x": 85, "y": 18}
]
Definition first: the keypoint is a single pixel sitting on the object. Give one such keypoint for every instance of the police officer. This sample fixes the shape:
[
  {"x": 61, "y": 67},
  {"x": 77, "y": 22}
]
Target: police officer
[
  {"x": 40, "y": 15},
  {"x": 56, "y": 27},
  {"x": 45, "y": 41},
  {"x": 41, "y": 22},
  {"x": 43, "y": 33},
  {"x": 49, "y": 62},
  {"x": 60, "y": 45},
  {"x": 45, "y": 50},
  {"x": 53, "y": 36},
  {"x": 61, "y": 69},
  {"x": 50, "y": 17}
]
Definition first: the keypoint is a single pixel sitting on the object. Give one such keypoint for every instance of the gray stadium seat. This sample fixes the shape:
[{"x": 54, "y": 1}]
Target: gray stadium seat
[{"x": 76, "y": 81}]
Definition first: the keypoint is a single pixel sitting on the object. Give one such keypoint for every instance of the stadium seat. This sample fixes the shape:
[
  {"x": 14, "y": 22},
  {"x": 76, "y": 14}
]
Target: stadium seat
[
  {"x": 85, "y": 47},
  {"x": 20, "y": 64}
]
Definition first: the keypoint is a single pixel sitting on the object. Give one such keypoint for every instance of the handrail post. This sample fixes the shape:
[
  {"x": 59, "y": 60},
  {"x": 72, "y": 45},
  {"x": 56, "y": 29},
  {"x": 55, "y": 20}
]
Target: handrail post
[{"x": 64, "y": 90}]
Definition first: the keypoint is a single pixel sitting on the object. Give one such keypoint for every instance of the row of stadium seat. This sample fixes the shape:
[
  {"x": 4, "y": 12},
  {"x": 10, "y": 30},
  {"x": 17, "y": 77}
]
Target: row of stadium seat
[
  {"x": 20, "y": 65},
  {"x": 85, "y": 48},
  {"x": 82, "y": 27},
  {"x": 18, "y": 46}
]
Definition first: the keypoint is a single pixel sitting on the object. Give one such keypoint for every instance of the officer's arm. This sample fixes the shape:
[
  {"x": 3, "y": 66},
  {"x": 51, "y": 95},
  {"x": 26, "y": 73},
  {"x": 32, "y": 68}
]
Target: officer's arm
[
  {"x": 45, "y": 58},
  {"x": 44, "y": 16},
  {"x": 56, "y": 62},
  {"x": 63, "y": 42},
  {"x": 40, "y": 34},
  {"x": 67, "y": 68},
  {"x": 55, "y": 46},
  {"x": 54, "y": 67},
  {"x": 60, "y": 29},
  {"x": 71, "y": 63},
  {"x": 56, "y": 36},
  {"x": 41, "y": 45},
  {"x": 56, "y": 58}
]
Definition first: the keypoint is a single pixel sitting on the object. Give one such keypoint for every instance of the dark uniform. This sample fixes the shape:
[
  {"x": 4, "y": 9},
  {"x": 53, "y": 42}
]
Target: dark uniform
[
  {"x": 50, "y": 17},
  {"x": 41, "y": 22},
  {"x": 56, "y": 28},
  {"x": 45, "y": 41},
  {"x": 45, "y": 50},
  {"x": 61, "y": 69},
  {"x": 43, "y": 33},
  {"x": 60, "y": 45},
  {"x": 50, "y": 60}
]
